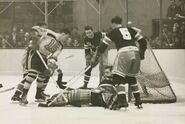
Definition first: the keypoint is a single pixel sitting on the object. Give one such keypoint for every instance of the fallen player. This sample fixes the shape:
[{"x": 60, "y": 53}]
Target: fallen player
[{"x": 105, "y": 95}]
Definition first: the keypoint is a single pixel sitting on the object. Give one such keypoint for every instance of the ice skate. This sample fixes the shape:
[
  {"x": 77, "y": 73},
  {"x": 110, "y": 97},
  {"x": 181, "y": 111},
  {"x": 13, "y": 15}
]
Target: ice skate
[
  {"x": 15, "y": 98},
  {"x": 23, "y": 101},
  {"x": 138, "y": 105},
  {"x": 40, "y": 97}
]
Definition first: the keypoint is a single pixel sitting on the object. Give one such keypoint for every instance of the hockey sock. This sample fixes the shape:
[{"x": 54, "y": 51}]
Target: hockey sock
[
  {"x": 86, "y": 79},
  {"x": 19, "y": 89},
  {"x": 87, "y": 76},
  {"x": 60, "y": 76},
  {"x": 28, "y": 81},
  {"x": 42, "y": 82},
  {"x": 25, "y": 92},
  {"x": 136, "y": 93}
]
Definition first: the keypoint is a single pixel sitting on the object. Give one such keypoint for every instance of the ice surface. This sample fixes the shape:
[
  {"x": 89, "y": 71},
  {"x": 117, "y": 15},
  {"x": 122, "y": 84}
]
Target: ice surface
[{"x": 31, "y": 114}]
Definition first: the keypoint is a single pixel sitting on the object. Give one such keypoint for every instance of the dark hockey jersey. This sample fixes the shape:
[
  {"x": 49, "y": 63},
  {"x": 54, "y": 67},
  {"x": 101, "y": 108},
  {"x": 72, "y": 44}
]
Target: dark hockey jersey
[
  {"x": 90, "y": 44},
  {"x": 122, "y": 37}
]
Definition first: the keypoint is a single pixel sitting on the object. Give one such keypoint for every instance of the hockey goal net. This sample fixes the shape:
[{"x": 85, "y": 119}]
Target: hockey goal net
[{"x": 154, "y": 84}]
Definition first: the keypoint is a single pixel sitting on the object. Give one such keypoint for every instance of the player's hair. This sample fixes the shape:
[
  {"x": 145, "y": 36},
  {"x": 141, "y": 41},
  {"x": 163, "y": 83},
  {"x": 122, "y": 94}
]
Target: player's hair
[
  {"x": 65, "y": 30},
  {"x": 88, "y": 27},
  {"x": 116, "y": 20},
  {"x": 41, "y": 24},
  {"x": 108, "y": 67}
]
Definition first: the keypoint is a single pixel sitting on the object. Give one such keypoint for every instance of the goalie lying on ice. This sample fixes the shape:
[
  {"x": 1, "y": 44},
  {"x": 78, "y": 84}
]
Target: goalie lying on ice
[{"x": 105, "y": 96}]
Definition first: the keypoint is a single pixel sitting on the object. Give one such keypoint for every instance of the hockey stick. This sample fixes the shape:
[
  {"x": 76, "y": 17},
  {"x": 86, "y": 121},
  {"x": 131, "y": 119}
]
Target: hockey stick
[
  {"x": 6, "y": 90},
  {"x": 45, "y": 65},
  {"x": 76, "y": 77}
]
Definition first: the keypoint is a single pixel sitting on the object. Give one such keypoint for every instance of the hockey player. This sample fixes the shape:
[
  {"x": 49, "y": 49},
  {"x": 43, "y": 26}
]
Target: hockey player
[
  {"x": 41, "y": 80},
  {"x": 127, "y": 62},
  {"x": 105, "y": 95},
  {"x": 49, "y": 46},
  {"x": 91, "y": 42}
]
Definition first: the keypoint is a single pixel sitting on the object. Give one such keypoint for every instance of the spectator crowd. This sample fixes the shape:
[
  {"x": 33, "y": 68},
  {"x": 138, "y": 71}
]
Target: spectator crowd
[
  {"x": 20, "y": 39},
  {"x": 173, "y": 30}
]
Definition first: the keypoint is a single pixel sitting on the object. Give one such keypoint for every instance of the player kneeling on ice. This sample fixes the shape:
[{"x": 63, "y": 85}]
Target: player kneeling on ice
[{"x": 43, "y": 56}]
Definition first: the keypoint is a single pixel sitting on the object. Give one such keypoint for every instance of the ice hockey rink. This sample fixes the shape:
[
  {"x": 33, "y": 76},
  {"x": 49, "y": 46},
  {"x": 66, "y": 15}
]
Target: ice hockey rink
[{"x": 172, "y": 113}]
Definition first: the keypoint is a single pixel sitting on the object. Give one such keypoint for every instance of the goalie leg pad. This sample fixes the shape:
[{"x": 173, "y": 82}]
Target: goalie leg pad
[
  {"x": 121, "y": 89},
  {"x": 80, "y": 96},
  {"x": 73, "y": 97}
]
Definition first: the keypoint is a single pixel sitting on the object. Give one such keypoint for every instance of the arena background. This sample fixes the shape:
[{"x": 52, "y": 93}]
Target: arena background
[{"x": 148, "y": 15}]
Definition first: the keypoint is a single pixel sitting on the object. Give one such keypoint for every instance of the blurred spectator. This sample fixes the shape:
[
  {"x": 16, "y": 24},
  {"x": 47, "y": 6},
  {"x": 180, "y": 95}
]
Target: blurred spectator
[
  {"x": 172, "y": 10},
  {"x": 181, "y": 11},
  {"x": 176, "y": 35},
  {"x": 13, "y": 38},
  {"x": 21, "y": 42},
  {"x": 166, "y": 37},
  {"x": 76, "y": 43},
  {"x": 4, "y": 41},
  {"x": 156, "y": 43},
  {"x": 182, "y": 34},
  {"x": 68, "y": 43},
  {"x": 76, "y": 37},
  {"x": 26, "y": 39}
]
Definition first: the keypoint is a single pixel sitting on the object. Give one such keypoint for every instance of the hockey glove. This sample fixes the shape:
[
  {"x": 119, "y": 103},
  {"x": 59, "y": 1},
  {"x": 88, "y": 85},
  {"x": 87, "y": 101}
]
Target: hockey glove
[
  {"x": 52, "y": 64},
  {"x": 48, "y": 72},
  {"x": 142, "y": 48}
]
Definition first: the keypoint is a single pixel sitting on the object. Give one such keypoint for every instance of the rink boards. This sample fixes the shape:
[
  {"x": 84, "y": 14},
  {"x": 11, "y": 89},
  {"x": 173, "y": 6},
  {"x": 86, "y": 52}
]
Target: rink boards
[{"x": 71, "y": 61}]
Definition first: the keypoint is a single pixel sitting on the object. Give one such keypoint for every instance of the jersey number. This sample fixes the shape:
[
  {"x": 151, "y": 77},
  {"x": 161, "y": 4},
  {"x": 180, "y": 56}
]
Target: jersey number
[
  {"x": 125, "y": 33},
  {"x": 52, "y": 46}
]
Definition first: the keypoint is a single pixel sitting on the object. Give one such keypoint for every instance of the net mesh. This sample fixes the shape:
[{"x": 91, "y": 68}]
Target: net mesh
[{"x": 155, "y": 86}]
